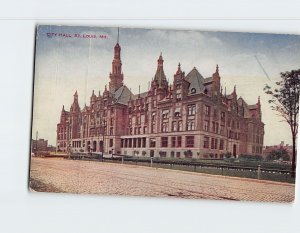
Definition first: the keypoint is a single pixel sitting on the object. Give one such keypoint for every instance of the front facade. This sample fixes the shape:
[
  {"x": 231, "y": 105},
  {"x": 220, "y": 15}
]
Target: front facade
[{"x": 189, "y": 117}]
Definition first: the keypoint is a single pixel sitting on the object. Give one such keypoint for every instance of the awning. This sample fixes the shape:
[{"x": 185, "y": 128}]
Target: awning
[
  {"x": 177, "y": 110},
  {"x": 165, "y": 111}
]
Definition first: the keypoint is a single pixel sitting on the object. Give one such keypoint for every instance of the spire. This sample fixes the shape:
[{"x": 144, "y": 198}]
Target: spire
[
  {"x": 63, "y": 108},
  {"x": 118, "y": 36},
  {"x": 139, "y": 91},
  {"x": 179, "y": 69},
  {"x": 258, "y": 101},
  {"x": 93, "y": 92},
  {"x": 234, "y": 90},
  {"x": 217, "y": 69},
  {"x": 75, "y": 96},
  {"x": 160, "y": 61},
  {"x": 160, "y": 76},
  {"x": 99, "y": 94},
  {"x": 116, "y": 75},
  {"x": 75, "y": 106}
]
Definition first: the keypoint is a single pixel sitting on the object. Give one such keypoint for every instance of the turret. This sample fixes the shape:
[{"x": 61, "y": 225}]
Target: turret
[
  {"x": 216, "y": 81},
  {"x": 116, "y": 75}
]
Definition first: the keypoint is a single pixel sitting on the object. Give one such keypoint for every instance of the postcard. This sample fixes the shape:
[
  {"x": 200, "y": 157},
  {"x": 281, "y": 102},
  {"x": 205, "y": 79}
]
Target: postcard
[{"x": 165, "y": 113}]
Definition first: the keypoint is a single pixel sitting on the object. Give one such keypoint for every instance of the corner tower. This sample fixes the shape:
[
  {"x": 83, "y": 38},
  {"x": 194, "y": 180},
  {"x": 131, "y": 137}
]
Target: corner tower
[{"x": 116, "y": 76}]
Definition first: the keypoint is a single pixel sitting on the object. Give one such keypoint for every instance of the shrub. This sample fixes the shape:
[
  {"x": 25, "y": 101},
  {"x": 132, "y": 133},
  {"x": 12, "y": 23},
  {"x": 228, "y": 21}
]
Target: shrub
[
  {"x": 188, "y": 153},
  {"x": 227, "y": 155},
  {"x": 250, "y": 157},
  {"x": 281, "y": 154}
]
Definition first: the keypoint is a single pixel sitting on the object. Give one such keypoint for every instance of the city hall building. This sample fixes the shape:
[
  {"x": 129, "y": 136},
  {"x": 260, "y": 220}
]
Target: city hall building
[{"x": 188, "y": 117}]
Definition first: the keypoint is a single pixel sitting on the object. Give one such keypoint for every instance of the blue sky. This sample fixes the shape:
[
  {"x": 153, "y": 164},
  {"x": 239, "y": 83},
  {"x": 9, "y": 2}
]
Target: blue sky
[{"x": 64, "y": 65}]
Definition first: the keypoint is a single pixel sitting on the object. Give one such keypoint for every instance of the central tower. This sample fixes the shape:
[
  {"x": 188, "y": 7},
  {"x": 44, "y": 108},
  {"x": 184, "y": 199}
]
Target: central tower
[{"x": 116, "y": 76}]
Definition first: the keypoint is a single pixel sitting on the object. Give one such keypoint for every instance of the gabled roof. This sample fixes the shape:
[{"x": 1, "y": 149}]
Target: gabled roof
[
  {"x": 196, "y": 81},
  {"x": 208, "y": 80},
  {"x": 142, "y": 95},
  {"x": 122, "y": 95}
]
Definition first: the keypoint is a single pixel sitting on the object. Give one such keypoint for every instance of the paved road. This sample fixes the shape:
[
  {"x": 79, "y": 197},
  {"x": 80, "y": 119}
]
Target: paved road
[{"x": 73, "y": 176}]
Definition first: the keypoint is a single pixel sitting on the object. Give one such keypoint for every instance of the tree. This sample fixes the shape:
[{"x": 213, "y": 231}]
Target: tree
[
  {"x": 278, "y": 154},
  {"x": 285, "y": 100}
]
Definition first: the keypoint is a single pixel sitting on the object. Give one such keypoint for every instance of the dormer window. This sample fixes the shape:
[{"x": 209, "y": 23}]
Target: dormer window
[
  {"x": 193, "y": 90},
  {"x": 205, "y": 91}
]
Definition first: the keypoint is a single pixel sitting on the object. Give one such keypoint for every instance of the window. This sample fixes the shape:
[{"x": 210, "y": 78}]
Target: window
[
  {"x": 172, "y": 154},
  {"x": 152, "y": 142},
  {"x": 221, "y": 144},
  {"x": 111, "y": 142},
  {"x": 213, "y": 126},
  {"x": 190, "y": 125},
  {"x": 154, "y": 103},
  {"x": 216, "y": 143},
  {"x": 153, "y": 127},
  {"x": 177, "y": 112},
  {"x": 174, "y": 126},
  {"x": 138, "y": 120},
  {"x": 153, "y": 117},
  {"x": 189, "y": 141},
  {"x": 223, "y": 116},
  {"x": 165, "y": 127},
  {"x": 207, "y": 110},
  {"x": 222, "y": 129},
  {"x": 193, "y": 90},
  {"x": 173, "y": 141},
  {"x": 180, "y": 126},
  {"x": 178, "y": 96},
  {"x": 206, "y": 126},
  {"x": 165, "y": 114},
  {"x": 178, "y": 154},
  {"x": 164, "y": 141},
  {"x": 217, "y": 127},
  {"x": 143, "y": 142},
  {"x": 191, "y": 110},
  {"x": 206, "y": 142},
  {"x": 163, "y": 154},
  {"x": 179, "y": 141},
  {"x": 212, "y": 143}
]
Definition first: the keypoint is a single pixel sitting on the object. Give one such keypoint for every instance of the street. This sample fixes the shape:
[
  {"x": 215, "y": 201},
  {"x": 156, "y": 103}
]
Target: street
[{"x": 75, "y": 176}]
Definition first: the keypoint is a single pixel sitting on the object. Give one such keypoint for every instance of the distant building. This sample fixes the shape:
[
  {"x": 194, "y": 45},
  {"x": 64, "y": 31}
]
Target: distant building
[
  {"x": 189, "y": 117},
  {"x": 281, "y": 146},
  {"x": 39, "y": 145}
]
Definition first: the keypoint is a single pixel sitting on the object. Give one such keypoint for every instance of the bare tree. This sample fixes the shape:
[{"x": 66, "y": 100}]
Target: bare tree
[{"x": 285, "y": 100}]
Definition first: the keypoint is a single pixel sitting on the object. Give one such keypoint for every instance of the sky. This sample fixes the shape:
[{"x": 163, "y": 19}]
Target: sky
[{"x": 70, "y": 58}]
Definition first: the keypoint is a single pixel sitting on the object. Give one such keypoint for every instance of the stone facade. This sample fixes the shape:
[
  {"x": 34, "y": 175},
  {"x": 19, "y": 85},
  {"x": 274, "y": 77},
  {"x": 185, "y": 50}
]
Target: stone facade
[{"x": 190, "y": 117}]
